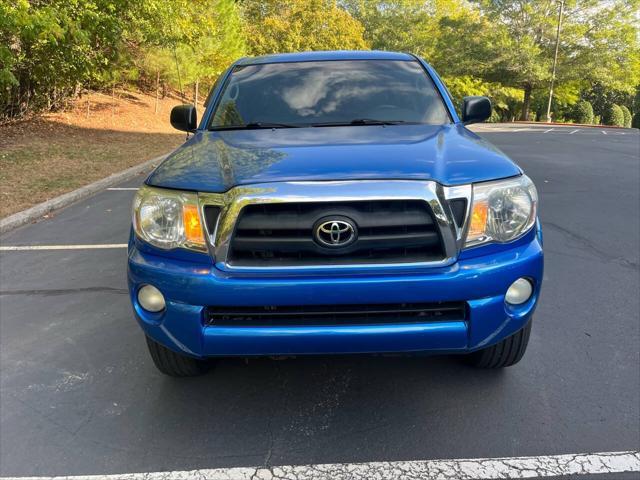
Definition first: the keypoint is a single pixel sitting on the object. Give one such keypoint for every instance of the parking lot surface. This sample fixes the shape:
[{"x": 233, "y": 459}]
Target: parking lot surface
[{"x": 80, "y": 396}]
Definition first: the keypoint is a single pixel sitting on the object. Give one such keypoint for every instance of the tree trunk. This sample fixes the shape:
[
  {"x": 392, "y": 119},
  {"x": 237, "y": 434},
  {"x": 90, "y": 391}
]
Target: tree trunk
[
  {"x": 195, "y": 103},
  {"x": 157, "y": 88},
  {"x": 526, "y": 103}
]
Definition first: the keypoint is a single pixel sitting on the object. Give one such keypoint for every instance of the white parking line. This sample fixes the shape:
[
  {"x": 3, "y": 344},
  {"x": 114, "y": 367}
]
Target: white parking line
[
  {"x": 547, "y": 131},
  {"x": 574, "y": 131},
  {"x": 462, "y": 469},
  {"x": 604, "y": 133},
  {"x": 121, "y": 189},
  {"x": 19, "y": 248}
]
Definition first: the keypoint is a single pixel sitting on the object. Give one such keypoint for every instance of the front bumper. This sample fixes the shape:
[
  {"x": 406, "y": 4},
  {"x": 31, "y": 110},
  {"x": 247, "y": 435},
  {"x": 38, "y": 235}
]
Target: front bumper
[{"x": 481, "y": 281}]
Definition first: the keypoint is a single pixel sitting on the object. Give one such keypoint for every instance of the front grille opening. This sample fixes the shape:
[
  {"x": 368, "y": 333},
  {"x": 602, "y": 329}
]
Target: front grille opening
[
  {"x": 389, "y": 231},
  {"x": 317, "y": 315},
  {"x": 211, "y": 214},
  {"x": 459, "y": 210}
]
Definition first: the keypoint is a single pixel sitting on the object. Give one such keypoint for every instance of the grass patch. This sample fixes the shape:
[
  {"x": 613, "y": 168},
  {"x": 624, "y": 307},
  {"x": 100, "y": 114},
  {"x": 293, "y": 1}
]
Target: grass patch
[{"x": 50, "y": 155}]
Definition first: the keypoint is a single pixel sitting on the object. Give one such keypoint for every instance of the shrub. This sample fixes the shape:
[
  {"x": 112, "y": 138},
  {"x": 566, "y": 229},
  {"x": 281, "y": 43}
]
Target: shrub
[
  {"x": 613, "y": 116},
  {"x": 627, "y": 116},
  {"x": 495, "y": 116},
  {"x": 596, "y": 119},
  {"x": 636, "y": 121},
  {"x": 583, "y": 112}
]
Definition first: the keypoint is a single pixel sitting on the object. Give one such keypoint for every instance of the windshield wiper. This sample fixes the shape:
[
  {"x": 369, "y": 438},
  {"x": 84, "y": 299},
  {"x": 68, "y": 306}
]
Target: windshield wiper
[
  {"x": 359, "y": 121},
  {"x": 254, "y": 126}
]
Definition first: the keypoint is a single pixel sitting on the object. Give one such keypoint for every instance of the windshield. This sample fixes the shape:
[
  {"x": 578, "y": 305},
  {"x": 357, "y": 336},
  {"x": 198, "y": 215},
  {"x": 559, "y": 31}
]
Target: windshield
[{"x": 326, "y": 93}]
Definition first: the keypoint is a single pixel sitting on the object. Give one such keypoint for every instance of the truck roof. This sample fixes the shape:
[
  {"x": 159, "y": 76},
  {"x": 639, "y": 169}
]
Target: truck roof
[{"x": 325, "y": 55}]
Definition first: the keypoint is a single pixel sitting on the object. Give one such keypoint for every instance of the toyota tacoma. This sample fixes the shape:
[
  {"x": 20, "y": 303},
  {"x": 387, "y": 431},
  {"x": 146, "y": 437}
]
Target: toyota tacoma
[{"x": 334, "y": 203}]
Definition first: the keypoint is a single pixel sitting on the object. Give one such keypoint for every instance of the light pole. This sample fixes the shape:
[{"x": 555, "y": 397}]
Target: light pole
[{"x": 555, "y": 60}]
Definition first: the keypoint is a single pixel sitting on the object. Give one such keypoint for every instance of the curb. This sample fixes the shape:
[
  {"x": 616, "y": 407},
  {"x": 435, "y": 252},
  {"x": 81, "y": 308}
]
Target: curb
[
  {"x": 29, "y": 215},
  {"x": 557, "y": 124}
]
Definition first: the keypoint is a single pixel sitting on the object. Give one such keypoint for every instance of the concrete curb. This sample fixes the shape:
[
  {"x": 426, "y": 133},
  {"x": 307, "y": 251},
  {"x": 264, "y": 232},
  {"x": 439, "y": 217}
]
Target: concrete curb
[
  {"x": 556, "y": 124},
  {"x": 37, "y": 211}
]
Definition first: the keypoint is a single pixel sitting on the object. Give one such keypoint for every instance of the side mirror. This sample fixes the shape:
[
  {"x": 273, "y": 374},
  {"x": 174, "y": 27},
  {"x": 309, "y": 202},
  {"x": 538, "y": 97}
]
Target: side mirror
[
  {"x": 475, "y": 109},
  {"x": 184, "y": 117}
]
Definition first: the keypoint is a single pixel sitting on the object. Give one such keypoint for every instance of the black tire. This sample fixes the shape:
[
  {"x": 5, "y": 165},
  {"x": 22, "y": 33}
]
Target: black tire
[
  {"x": 504, "y": 354},
  {"x": 173, "y": 364}
]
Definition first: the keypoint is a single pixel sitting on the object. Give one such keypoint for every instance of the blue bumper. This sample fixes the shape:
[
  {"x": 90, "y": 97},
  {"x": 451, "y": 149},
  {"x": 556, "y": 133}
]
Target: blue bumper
[{"x": 479, "y": 278}]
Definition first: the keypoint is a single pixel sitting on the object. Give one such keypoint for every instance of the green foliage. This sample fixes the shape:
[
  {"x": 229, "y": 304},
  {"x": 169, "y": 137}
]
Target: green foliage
[
  {"x": 201, "y": 46},
  {"x": 583, "y": 112},
  {"x": 513, "y": 43},
  {"x": 565, "y": 96},
  {"x": 636, "y": 121},
  {"x": 627, "y": 116},
  {"x": 601, "y": 97},
  {"x": 409, "y": 25},
  {"x": 613, "y": 116},
  {"x": 504, "y": 100},
  {"x": 50, "y": 50},
  {"x": 276, "y": 26},
  {"x": 495, "y": 117}
]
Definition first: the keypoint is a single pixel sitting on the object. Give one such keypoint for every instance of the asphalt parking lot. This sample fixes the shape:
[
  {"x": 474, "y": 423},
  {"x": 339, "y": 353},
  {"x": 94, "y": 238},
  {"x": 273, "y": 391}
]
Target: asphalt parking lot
[{"x": 80, "y": 396}]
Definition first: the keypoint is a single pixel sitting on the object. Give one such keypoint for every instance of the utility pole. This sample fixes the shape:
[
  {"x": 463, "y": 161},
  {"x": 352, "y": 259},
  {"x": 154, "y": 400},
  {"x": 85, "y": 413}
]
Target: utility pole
[{"x": 555, "y": 60}]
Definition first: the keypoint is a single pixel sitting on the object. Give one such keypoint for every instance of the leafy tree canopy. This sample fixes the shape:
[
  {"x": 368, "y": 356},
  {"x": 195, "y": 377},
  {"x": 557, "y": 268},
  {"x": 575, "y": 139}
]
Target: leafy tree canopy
[
  {"x": 276, "y": 26},
  {"x": 49, "y": 50}
]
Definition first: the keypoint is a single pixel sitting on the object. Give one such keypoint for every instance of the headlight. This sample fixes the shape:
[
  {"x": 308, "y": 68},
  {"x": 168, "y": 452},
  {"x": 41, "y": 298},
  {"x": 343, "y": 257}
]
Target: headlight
[
  {"x": 168, "y": 219},
  {"x": 502, "y": 211}
]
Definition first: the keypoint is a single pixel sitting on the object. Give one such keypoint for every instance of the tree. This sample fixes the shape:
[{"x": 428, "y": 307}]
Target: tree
[
  {"x": 504, "y": 100},
  {"x": 406, "y": 25},
  {"x": 601, "y": 97},
  {"x": 52, "y": 47},
  {"x": 197, "y": 49},
  {"x": 599, "y": 43},
  {"x": 277, "y": 26},
  {"x": 49, "y": 50}
]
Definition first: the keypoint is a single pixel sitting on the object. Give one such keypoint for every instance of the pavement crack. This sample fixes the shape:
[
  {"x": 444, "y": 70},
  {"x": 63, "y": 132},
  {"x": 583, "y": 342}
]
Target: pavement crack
[{"x": 589, "y": 246}]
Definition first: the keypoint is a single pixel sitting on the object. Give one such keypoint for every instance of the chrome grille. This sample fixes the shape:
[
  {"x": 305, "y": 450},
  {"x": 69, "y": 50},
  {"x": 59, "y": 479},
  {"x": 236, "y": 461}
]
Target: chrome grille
[
  {"x": 432, "y": 198},
  {"x": 388, "y": 231}
]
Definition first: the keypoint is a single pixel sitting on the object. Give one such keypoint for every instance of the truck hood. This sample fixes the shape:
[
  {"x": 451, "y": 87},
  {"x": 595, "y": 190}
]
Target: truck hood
[{"x": 218, "y": 161}]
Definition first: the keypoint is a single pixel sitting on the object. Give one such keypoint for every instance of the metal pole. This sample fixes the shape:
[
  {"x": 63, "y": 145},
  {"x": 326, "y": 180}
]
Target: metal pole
[{"x": 555, "y": 60}]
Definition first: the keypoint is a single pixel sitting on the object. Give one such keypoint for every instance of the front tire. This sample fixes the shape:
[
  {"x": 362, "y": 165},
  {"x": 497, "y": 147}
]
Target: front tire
[
  {"x": 503, "y": 354},
  {"x": 172, "y": 363}
]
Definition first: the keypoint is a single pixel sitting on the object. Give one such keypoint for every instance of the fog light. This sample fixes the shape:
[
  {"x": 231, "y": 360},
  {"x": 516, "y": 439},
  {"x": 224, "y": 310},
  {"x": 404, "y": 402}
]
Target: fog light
[
  {"x": 519, "y": 292},
  {"x": 151, "y": 299}
]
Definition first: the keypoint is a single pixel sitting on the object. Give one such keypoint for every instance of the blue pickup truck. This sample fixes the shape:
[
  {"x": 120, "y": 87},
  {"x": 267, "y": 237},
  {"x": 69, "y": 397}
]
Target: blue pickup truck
[{"x": 334, "y": 203}]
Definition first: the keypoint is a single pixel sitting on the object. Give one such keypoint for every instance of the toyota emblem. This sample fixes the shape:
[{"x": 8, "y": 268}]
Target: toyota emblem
[{"x": 335, "y": 232}]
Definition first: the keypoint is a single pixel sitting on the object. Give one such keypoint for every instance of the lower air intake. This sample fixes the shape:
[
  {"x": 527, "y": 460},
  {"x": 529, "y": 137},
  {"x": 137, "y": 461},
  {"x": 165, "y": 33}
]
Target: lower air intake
[{"x": 310, "y": 315}]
